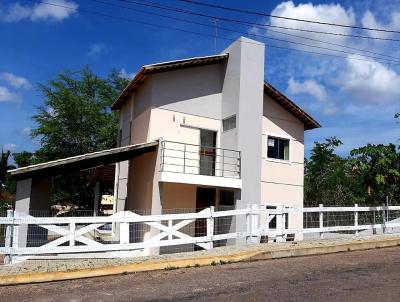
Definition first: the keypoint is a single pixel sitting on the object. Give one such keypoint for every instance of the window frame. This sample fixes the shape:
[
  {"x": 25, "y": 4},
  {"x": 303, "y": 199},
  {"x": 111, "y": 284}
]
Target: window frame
[
  {"x": 227, "y": 118},
  {"x": 283, "y": 137}
]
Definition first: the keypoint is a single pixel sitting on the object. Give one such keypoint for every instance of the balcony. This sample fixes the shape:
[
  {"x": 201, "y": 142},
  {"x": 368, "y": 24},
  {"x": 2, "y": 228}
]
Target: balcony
[{"x": 203, "y": 165}]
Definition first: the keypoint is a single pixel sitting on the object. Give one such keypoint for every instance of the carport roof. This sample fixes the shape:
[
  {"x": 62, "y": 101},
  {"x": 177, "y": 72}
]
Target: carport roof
[{"x": 84, "y": 161}]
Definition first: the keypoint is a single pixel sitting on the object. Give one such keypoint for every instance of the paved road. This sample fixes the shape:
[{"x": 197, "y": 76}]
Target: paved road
[{"x": 355, "y": 276}]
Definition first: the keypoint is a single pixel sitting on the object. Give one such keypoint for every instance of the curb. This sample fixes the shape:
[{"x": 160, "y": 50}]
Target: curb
[{"x": 292, "y": 251}]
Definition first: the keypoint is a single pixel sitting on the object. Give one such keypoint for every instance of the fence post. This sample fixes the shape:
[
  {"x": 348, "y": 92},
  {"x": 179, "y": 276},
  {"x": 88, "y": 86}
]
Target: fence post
[
  {"x": 170, "y": 227},
  {"x": 374, "y": 222},
  {"x": 72, "y": 228},
  {"x": 383, "y": 219},
  {"x": 8, "y": 239},
  {"x": 249, "y": 217},
  {"x": 321, "y": 221},
  {"x": 255, "y": 220},
  {"x": 210, "y": 227},
  {"x": 279, "y": 223},
  {"x": 356, "y": 218},
  {"x": 124, "y": 232}
]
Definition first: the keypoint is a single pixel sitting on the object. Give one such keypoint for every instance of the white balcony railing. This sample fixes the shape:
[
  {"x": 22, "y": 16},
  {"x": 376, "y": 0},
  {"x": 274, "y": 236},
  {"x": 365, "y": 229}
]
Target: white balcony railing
[{"x": 199, "y": 160}]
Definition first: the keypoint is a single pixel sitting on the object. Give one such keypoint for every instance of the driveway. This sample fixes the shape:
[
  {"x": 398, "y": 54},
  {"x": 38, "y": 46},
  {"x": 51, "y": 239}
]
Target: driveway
[{"x": 372, "y": 275}]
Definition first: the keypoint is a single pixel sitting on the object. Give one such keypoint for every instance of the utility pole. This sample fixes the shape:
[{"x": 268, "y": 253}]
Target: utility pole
[{"x": 215, "y": 21}]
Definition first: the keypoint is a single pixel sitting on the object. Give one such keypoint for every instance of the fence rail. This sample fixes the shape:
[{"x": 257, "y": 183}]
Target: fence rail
[{"x": 128, "y": 234}]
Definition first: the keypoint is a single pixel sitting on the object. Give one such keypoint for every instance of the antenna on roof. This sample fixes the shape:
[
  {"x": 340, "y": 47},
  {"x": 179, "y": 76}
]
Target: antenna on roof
[{"x": 215, "y": 21}]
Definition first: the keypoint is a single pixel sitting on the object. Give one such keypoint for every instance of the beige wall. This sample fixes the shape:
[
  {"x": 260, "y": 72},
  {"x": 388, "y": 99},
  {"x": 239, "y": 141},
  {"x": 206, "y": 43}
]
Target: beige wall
[
  {"x": 179, "y": 196},
  {"x": 195, "y": 90},
  {"x": 140, "y": 182},
  {"x": 179, "y": 127},
  {"x": 282, "y": 182}
]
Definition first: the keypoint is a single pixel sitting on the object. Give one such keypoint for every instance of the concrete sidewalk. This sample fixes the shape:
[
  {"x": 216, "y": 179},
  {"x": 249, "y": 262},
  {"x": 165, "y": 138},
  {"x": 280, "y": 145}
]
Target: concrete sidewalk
[{"x": 33, "y": 271}]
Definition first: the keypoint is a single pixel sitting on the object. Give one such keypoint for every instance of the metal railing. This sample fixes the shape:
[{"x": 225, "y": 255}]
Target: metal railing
[{"x": 199, "y": 160}]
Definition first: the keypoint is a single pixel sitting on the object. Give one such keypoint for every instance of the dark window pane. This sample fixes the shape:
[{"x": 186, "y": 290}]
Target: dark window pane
[
  {"x": 229, "y": 123},
  {"x": 278, "y": 148}
]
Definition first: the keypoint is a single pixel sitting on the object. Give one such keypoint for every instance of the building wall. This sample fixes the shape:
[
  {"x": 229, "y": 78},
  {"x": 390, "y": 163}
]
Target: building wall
[
  {"x": 179, "y": 196},
  {"x": 281, "y": 181},
  {"x": 243, "y": 96},
  {"x": 140, "y": 182},
  {"x": 195, "y": 90},
  {"x": 180, "y": 127}
]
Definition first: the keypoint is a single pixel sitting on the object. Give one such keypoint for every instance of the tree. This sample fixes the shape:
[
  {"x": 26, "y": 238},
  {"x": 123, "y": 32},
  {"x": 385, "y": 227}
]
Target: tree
[
  {"x": 5, "y": 194},
  {"x": 378, "y": 166},
  {"x": 328, "y": 179},
  {"x": 24, "y": 158},
  {"x": 3, "y": 168},
  {"x": 75, "y": 119}
]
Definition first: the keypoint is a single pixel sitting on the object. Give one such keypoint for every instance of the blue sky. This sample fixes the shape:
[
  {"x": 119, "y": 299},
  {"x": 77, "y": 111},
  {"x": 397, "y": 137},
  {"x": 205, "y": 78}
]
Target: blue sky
[{"x": 354, "y": 98}]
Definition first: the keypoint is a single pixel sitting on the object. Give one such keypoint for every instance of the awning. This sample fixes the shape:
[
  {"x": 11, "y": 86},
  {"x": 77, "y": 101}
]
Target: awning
[{"x": 84, "y": 161}]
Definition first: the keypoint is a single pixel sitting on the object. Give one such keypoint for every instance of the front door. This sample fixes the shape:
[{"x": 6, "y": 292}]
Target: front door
[
  {"x": 208, "y": 140},
  {"x": 205, "y": 197}
]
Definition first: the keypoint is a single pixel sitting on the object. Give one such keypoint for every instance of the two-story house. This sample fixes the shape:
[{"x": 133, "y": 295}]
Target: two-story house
[
  {"x": 227, "y": 137},
  {"x": 197, "y": 132}
]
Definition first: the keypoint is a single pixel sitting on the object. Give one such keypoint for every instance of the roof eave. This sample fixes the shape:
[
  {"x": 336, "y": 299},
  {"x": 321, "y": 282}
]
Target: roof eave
[
  {"x": 84, "y": 161},
  {"x": 163, "y": 67},
  {"x": 308, "y": 121}
]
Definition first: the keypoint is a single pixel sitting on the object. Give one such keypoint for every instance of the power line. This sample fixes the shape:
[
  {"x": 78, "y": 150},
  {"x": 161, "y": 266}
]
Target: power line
[
  {"x": 259, "y": 25},
  {"x": 263, "y": 36},
  {"x": 191, "y": 32},
  {"x": 287, "y": 18}
]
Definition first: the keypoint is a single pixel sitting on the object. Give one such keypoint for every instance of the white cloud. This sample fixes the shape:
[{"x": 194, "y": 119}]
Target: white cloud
[
  {"x": 10, "y": 147},
  {"x": 310, "y": 87},
  {"x": 96, "y": 49},
  {"x": 26, "y": 131},
  {"x": 331, "y": 13},
  {"x": 369, "y": 20},
  {"x": 15, "y": 81},
  {"x": 123, "y": 73},
  {"x": 8, "y": 96},
  {"x": 60, "y": 10},
  {"x": 369, "y": 82}
]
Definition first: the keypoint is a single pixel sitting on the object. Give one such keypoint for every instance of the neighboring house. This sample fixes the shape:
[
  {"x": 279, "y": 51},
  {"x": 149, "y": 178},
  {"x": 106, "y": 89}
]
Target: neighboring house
[{"x": 207, "y": 131}]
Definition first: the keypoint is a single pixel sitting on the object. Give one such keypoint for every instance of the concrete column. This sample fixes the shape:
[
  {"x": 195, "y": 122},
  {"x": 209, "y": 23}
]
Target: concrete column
[
  {"x": 33, "y": 197},
  {"x": 156, "y": 198},
  {"x": 122, "y": 185},
  {"x": 242, "y": 95},
  {"x": 22, "y": 204}
]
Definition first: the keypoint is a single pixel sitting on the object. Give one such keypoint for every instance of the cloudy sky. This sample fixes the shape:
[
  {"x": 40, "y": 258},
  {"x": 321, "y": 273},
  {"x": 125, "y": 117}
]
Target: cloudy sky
[{"x": 353, "y": 94}]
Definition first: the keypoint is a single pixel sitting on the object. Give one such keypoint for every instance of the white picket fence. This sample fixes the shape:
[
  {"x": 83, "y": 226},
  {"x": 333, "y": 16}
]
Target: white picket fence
[{"x": 71, "y": 237}]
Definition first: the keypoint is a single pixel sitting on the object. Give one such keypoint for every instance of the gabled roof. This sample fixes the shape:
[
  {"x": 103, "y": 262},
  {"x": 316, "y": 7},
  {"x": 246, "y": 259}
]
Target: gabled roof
[
  {"x": 289, "y": 105},
  {"x": 84, "y": 161},
  {"x": 275, "y": 94},
  {"x": 162, "y": 67}
]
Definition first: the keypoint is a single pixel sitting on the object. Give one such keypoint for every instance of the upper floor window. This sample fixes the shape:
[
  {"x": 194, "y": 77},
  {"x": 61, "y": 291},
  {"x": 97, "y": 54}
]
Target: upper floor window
[
  {"x": 278, "y": 148},
  {"x": 229, "y": 123}
]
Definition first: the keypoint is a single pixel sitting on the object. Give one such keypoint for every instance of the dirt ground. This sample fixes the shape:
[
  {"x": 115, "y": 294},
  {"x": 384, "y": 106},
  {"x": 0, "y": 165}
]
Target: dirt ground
[{"x": 372, "y": 275}]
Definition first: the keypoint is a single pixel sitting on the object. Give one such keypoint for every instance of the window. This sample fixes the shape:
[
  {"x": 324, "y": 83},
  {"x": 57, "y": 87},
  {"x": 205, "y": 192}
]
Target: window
[
  {"x": 278, "y": 148},
  {"x": 229, "y": 123}
]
